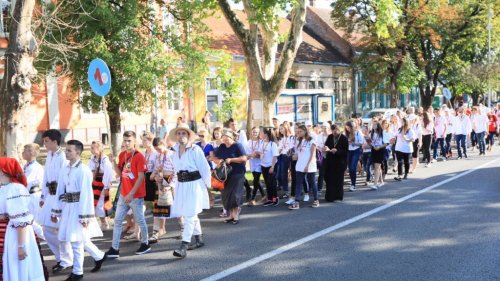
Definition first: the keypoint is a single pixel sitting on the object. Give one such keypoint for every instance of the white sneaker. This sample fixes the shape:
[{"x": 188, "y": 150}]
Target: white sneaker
[
  {"x": 290, "y": 201},
  {"x": 433, "y": 161},
  {"x": 352, "y": 188},
  {"x": 380, "y": 185},
  {"x": 374, "y": 187},
  {"x": 306, "y": 198}
]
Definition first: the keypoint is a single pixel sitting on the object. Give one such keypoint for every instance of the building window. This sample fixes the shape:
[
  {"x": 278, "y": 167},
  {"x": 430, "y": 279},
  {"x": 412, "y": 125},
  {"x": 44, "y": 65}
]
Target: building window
[
  {"x": 344, "y": 92},
  {"x": 291, "y": 84},
  {"x": 336, "y": 91},
  {"x": 5, "y": 16},
  {"x": 87, "y": 107},
  {"x": 174, "y": 99},
  {"x": 212, "y": 84},
  {"x": 212, "y": 100},
  {"x": 321, "y": 85},
  {"x": 311, "y": 85}
]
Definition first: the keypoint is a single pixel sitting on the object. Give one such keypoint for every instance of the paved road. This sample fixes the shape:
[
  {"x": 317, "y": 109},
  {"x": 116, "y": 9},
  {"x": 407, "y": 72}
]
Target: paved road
[{"x": 448, "y": 232}]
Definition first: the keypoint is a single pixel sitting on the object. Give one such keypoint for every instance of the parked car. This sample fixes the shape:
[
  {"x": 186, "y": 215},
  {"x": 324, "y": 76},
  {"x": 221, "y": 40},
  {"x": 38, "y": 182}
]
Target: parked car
[{"x": 384, "y": 112}]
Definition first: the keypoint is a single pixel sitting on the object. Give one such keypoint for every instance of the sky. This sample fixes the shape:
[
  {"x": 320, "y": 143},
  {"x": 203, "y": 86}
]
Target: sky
[{"x": 319, "y": 3}]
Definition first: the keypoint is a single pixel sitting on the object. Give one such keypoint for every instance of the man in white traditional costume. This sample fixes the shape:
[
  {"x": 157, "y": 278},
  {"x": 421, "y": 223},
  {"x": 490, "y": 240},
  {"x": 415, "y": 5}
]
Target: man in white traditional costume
[
  {"x": 53, "y": 164},
  {"x": 34, "y": 175},
  {"x": 75, "y": 209},
  {"x": 21, "y": 259},
  {"x": 193, "y": 178}
]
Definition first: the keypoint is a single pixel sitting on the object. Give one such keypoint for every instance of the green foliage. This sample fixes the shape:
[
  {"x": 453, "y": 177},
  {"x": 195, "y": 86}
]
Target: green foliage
[
  {"x": 409, "y": 76},
  {"x": 231, "y": 82}
]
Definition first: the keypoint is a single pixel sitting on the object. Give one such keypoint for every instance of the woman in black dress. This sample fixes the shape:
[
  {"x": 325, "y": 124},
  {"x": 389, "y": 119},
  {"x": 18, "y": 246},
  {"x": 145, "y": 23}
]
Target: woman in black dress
[
  {"x": 233, "y": 154},
  {"x": 336, "y": 147}
]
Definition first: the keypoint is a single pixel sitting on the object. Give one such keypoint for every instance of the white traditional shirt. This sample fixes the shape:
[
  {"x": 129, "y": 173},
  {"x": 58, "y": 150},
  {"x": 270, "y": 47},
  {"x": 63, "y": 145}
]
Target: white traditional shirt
[
  {"x": 34, "y": 176},
  {"x": 53, "y": 165},
  {"x": 191, "y": 197},
  {"x": 105, "y": 168},
  {"x": 165, "y": 163},
  {"x": 76, "y": 178},
  {"x": 150, "y": 160}
]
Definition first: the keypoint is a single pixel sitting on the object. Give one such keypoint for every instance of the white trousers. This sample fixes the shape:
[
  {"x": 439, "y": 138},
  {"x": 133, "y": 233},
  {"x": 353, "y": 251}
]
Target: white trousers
[
  {"x": 61, "y": 250},
  {"x": 77, "y": 255},
  {"x": 192, "y": 227},
  {"x": 93, "y": 251}
]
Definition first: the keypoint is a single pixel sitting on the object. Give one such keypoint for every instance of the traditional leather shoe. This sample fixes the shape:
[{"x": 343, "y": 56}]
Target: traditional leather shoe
[
  {"x": 98, "y": 264},
  {"x": 60, "y": 269},
  {"x": 198, "y": 243},
  {"x": 74, "y": 277},
  {"x": 181, "y": 253}
]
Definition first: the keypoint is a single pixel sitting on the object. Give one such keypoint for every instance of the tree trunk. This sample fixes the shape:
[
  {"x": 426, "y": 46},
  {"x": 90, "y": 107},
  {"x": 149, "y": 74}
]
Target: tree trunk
[
  {"x": 393, "y": 91},
  {"x": 15, "y": 92},
  {"x": 475, "y": 98},
  {"x": 114, "y": 126},
  {"x": 425, "y": 97}
]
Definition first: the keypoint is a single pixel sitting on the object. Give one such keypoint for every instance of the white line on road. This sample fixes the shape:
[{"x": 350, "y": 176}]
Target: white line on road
[{"x": 333, "y": 228}]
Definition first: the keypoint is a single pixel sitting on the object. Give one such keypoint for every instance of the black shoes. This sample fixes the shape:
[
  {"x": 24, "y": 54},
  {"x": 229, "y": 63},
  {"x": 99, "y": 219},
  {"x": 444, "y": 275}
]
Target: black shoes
[
  {"x": 112, "y": 253},
  {"x": 181, "y": 253},
  {"x": 60, "y": 269},
  {"x": 144, "y": 248},
  {"x": 198, "y": 243},
  {"x": 74, "y": 277},
  {"x": 398, "y": 178},
  {"x": 98, "y": 264}
]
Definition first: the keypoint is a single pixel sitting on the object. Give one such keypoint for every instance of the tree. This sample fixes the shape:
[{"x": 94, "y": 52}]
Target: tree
[
  {"x": 15, "y": 92},
  {"x": 266, "y": 74},
  {"x": 385, "y": 26},
  {"x": 442, "y": 29}
]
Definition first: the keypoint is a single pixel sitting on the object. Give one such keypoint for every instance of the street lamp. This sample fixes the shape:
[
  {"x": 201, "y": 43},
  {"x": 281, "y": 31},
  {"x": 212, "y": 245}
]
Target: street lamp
[{"x": 490, "y": 15}]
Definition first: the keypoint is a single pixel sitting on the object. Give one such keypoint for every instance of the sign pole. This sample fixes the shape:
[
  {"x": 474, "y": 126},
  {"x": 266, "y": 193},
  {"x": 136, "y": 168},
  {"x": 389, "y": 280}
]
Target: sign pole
[{"x": 106, "y": 120}]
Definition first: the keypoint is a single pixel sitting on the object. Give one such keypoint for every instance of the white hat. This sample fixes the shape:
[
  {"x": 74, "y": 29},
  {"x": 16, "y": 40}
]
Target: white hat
[{"x": 183, "y": 126}]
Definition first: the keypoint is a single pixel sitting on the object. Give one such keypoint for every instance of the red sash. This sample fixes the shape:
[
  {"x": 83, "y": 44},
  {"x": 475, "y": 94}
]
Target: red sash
[{"x": 3, "y": 229}]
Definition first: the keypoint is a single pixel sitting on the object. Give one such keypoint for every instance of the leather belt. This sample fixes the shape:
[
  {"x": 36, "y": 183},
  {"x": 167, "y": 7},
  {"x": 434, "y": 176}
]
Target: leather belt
[{"x": 185, "y": 176}]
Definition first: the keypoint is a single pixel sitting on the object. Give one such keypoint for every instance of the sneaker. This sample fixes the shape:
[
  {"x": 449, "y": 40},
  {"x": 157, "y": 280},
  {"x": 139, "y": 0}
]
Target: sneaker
[
  {"x": 268, "y": 203},
  {"x": 433, "y": 161},
  {"x": 465, "y": 155},
  {"x": 460, "y": 157},
  {"x": 251, "y": 203},
  {"x": 374, "y": 187},
  {"x": 294, "y": 206},
  {"x": 315, "y": 204},
  {"x": 428, "y": 165},
  {"x": 398, "y": 178},
  {"x": 306, "y": 198},
  {"x": 290, "y": 201},
  {"x": 144, "y": 248},
  {"x": 352, "y": 188},
  {"x": 381, "y": 184},
  {"x": 112, "y": 253},
  {"x": 285, "y": 196}
]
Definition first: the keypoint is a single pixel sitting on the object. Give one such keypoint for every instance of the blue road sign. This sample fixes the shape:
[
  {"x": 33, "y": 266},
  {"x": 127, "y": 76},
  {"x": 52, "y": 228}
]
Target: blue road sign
[
  {"x": 99, "y": 77},
  {"x": 446, "y": 93}
]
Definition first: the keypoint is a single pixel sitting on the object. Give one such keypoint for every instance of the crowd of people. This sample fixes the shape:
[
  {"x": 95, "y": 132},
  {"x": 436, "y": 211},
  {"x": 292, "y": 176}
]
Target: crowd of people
[{"x": 67, "y": 203}]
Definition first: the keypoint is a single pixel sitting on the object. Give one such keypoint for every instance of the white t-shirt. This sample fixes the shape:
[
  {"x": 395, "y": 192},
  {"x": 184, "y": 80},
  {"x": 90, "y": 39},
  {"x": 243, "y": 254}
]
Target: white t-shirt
[
  {"x": 254, "y": 146},
  {"x": 479, "y": 123},
  {"x": 304, "y": 153},
  {"x": 285, "y": 144},
  {"x": 440, "y": 126},
  {"x": 358, "y": 139},
  {"x": 268, "y": 150},
  {"x": 404, "y": 141}
]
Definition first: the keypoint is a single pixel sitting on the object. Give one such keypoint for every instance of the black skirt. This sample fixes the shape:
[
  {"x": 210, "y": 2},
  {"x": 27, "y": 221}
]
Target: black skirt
[
  {"x": 232, "y": 195},
  {"x": 151, "y": 188},
  {"x": 378, "y": 156}
]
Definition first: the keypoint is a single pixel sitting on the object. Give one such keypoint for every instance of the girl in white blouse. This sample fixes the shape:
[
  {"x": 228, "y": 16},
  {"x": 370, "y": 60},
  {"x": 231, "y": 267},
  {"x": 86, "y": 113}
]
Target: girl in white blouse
[
  {"x": 355, "y": 138},
  {"x": 404, "y": 148}
]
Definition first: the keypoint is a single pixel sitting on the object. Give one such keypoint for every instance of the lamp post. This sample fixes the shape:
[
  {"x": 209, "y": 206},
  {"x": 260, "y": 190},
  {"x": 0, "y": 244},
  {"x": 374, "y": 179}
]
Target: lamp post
[{"x": 490, "y": 14}]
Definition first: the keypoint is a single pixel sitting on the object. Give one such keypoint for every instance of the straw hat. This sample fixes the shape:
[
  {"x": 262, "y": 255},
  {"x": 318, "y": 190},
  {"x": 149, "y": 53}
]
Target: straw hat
[{"x": 183, "y": 126}]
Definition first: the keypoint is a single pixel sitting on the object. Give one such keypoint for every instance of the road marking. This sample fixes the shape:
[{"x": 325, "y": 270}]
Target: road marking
[{"x": 333, "y": 228}]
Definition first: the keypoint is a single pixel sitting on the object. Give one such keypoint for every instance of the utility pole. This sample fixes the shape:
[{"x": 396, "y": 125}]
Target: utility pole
[{"x": 490, "y": 14}]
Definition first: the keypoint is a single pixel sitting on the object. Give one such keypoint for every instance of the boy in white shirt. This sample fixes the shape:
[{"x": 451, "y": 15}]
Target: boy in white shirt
[{"x": 440, "y": 128}]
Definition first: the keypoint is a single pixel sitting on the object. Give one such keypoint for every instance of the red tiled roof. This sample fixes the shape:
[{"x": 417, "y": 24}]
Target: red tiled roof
[
  {"x": 355, "y": 38},
  {"x": 309, "y": 51}
]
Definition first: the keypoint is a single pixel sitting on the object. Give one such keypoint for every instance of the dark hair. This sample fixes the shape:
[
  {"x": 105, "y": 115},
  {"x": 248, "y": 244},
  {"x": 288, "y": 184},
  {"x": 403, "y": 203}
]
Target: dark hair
[
  {"x": 378, "y": 130},
  {"x": 427, "y": 119},
  {"x": 129, "y": 134},
  {"x": 78, "y": 145},
  {"x": 352, "y": 127},
  {"x": 333, "y": 127},
  {"x": 307, "y": 137},
  {"x": 216, "y": 129},
  {"x": 269, "y": 132},
  {"x": 157, "y": 141},
  {"x": 230, "y": 120},
  {"x": 53, "y": 135}
]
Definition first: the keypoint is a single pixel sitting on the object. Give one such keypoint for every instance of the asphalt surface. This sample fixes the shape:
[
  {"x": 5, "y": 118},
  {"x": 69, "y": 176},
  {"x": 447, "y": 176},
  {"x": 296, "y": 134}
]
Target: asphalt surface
[{"x": 449, "y": 232}]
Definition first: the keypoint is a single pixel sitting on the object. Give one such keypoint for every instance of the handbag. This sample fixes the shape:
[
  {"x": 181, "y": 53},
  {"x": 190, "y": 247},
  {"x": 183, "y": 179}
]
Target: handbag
[
  {"x": 220, "y": 175},
  {"x": 217, "y": 184},
  {"x": 165, "y": 198}
]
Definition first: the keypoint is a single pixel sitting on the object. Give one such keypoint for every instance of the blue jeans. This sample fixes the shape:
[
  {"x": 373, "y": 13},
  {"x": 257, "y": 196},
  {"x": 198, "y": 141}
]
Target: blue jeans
[
  {"x": 366, "y": 159},
  {"x": 283, "y": 172},
  {"x": 439, "y": 141},
  {"x": 352, "y": 164},
  {"x": 310, "y": 182},
  {"x": 121, "y": 211},
  {"x": 480, "y": 141},
  {"x": 461, "y": 144}
]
